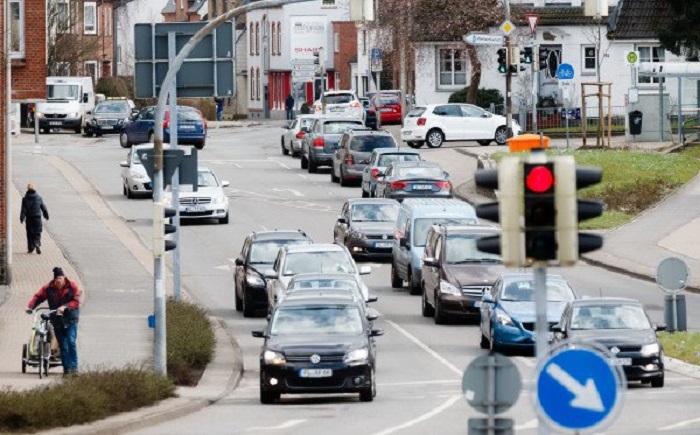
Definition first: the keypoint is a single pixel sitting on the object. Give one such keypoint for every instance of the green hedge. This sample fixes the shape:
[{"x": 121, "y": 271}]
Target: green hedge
[{"x": 190, "y": 341}]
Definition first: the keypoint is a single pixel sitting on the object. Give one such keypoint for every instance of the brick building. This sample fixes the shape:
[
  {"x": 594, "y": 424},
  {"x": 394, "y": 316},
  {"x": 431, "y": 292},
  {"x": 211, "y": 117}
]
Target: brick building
[
  {"x": 344, "y": 53},
  {"x": 184, "y": 10}
]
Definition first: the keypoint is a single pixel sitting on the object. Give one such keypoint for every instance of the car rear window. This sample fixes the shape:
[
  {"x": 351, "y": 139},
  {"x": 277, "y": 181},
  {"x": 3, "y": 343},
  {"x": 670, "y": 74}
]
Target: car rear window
[
  {"x": 369, "y": 143},
  {"x": 188, "y": 115},
  {"x": 338, "y": 98},
  {"x": 339, "y": 127},
  {"x": 112, "y": 108},
  {"x": 389, "y": 100},
  {"x": 387, "y": 159},
  {"x": 416, "y": 112},
  {"x": 420, "y": 172}
]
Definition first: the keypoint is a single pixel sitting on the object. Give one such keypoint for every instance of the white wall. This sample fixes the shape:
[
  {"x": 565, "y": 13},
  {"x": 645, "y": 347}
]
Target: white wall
[{"x": 137, "y": 11}]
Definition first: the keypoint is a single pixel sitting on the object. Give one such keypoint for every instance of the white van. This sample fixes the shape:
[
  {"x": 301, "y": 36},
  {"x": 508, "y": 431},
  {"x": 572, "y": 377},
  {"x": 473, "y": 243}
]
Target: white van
[{"x": 68, "y": 100}]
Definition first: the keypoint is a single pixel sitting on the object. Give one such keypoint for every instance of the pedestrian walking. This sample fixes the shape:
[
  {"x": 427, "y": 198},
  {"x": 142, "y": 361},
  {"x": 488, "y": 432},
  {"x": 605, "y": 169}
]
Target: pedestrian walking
[
  {"x": 289, "y": 105},
  {"x": 219, "y": 108},
  {"x": 32, "y": 208},
  {"x": 64, "y": 296}
]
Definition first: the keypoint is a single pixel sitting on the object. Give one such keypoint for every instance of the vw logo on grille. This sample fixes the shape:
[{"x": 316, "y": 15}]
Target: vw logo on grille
[
  {"x": 315, "y": 359},
  {"x": 615, "y": 350},
  {"x": 384, "y": 237}
]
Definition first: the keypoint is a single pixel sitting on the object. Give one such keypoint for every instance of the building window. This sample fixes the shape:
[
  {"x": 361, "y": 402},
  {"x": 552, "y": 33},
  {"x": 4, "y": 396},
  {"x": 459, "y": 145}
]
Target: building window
[
  {"x": 650, "y": 54},
  {"x": 251, "y": 44},
  {"x": 90, "y": 18},
  {"x": 279, "y": 38},
  {"x": 61, "y": 69},
  {"x": 107, "y": 20},
  {"x": 336, "y": 42},
  {"x": 452, "y": 65},
  {"x": 589, "y": 59},
  {"x": 252, "y": 83},
  {"x": 62, "y": 17},
  {"x": 91, "y": 70},
  {"x": 257, "y": 38},
  {"x": 257, "y": 84},
  {"x": 17, "y": 28},
  {"x": 328, "y": 4},
  {"x": 364, "y": 42}
]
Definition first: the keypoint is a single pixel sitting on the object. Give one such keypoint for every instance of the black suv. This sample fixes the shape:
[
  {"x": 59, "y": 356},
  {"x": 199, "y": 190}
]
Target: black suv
[
  {"x": 352, "y": 153},
  {"x": 259, "y": 253},
  {"x": 318, "y": 145},
  {"x": 455, "y": 273}
]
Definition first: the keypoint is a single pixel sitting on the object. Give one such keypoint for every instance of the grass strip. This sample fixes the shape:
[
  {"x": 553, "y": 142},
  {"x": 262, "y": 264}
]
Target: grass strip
[{"x": 684, "y": 346}]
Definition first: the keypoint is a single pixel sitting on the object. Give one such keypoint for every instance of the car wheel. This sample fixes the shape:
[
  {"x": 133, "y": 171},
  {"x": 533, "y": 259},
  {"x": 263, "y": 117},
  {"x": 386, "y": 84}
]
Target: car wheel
[
  {"x": 129, "y": 193},
  {"x": 239, "y": 301},
  {"x": 365, "y": 194},
  {"x": 427, "y": 309},
  {"x": 98, "y": 134},
  {"x": 123, "y": 190},
  {"x": 304, "y": 162},
  {"x": 343, "y": 181},
  {"x": 334, "y": 179},
  {"x": 501, "y": 135},
  {"x": 248, "y": 311},
  {"x": 413, "y": 285},
  {"x": 268, "y": 397},
  {"x": 24, "y": 357},
  {"x": 367, "y": 394},
  {"x": 440, "y": 317},
  {"x": 484, "y": 143},
  {"x": 396, "y": 281},
  {"x": 78, "y": 130},
  {"x": 435, "y": 138},
  {"x": 313, "y": 167},
  {"x": 492, "y": 341},
  {"x": 124, "y": 140},
  {"x": 200, "y": 145},
  {"x": 46, "y": 130},
  {"x": 484, "y": 344},
  {"x": 285, "y": 151},
  {"x": 224, "y": 220},
  {"x": 88, "y": 133},
  {"x": 151, "y": 137},
  {"x": 415, "y": 144},
  {"x": 657, "y": 382}
]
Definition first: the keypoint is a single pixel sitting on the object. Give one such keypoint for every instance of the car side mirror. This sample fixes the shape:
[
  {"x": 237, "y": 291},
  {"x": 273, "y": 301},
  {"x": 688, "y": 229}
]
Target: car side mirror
[
  {"x": 342, "y": 220},
  {"x": 556, "y": 328},
  {"x": 258, "y": 333},
  {"x": 487, "y": 298},
  {"x": 124, "y": 164},
  {"x": 365, "y": 270},
  {"x": 240, "y": 262},
  {"x": 659, "y": 328},
  {"x": 225, "y": 183},
  {"x": 431, "y": 261},
  {"x": 89, "y": 112},
  {"x": 270, "y": 274},
  {"x": 134, "y": 112},
  {"x": 85, "y": 98},
  {"x": 376, "y": 332},
  {"x": 446, "y": 174},
  {"x": 372, "y": 299},
  {"x": 372, "y": 315}
]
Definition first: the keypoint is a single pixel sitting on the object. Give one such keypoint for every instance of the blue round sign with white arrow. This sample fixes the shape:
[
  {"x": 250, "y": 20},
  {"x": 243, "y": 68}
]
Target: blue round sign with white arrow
[{"x": 577, "y": 389}]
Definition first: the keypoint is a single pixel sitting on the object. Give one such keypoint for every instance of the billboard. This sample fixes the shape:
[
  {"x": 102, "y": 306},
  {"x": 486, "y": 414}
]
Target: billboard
[{"x": 308, "y": 34}]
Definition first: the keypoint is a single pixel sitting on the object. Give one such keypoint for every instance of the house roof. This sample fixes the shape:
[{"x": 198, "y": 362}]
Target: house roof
[
  {"x": 194, "y": 6},
  {"x": 639, "y": 19},
  {"x": 553, "y": 16}
]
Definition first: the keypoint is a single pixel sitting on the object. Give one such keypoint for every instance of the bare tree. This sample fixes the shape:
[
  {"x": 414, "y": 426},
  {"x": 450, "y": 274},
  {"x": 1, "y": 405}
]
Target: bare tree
[
  {"x": 67, "y": 47},
  {"x": 597, "y": 35}
]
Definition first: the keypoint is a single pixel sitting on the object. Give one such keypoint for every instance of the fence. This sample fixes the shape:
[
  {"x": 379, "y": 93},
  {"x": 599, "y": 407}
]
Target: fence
[{"x": 553, "y": 120}]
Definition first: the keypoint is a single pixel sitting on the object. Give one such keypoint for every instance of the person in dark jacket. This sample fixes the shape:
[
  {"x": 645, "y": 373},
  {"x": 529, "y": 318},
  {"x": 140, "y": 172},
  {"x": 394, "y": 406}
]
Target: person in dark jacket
[
  {"x": 289, "y": 105},
  {"x": 32, "y": 208},
  {"x": 64, "y": 296}
]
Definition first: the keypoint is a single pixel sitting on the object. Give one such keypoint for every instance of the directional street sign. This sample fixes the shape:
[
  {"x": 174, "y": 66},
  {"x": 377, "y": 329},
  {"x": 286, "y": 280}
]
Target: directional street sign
[
  {"x": 565, "y": 72},
  {"x": 303, "y": 75},
  {"x": 297, "y": 61},
  {"x": 482, "y": 39},
  {"x": 304, "y": 67},
  {"x": 578, "y": 390}
]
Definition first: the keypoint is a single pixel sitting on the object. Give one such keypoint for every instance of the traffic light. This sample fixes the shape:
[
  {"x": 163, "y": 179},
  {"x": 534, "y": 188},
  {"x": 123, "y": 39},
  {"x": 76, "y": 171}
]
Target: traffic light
[
  {"x": 161, "y": 229},
  {"x": 515, "y": 61},
  {"x": 539, "y": 211},
  {"x": 571, "y": 210},
  {"x": 509, "y": 244},
  {"x": 526, "y": 55},
  {"x": 542, "y": 57},
  {"x": 502, "y": 60}
]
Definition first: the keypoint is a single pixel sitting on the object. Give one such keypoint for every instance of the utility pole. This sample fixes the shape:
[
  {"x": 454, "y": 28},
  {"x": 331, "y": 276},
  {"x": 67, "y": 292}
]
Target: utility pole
[{"x": 509, "y": 100}]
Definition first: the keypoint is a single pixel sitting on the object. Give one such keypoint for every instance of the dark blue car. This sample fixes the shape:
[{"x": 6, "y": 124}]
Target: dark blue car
[
  {"x": 191, "y": 127},
  {"x": 370, "y": 114}
]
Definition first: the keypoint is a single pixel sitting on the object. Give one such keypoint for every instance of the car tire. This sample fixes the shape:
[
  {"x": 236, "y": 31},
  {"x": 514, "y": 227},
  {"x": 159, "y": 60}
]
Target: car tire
[
  {"x": 426, "y": 309},
  {"x": 129, "y": 193},
  {"x": 334, "y": 179},
  {"x": 440, "y": 317},
  {"x": 304, "y": 162},
  {"x": 415, "y": 144},
  {"x": 123, "y": 190},
  {"x": 46, "y": 130},
  {"x": 224, "y": 220},
  {"x": 238, "y": 300},
  {"x": 492, "y": 341},
  {"x": 313, "y": 167},
  {"x": 484, "y": 143},
  {"x": 200, "y": 145},
  {"x": 434, "y": 138},
  {"x": 248, "y": 311},
  {"x": 124, "y": 140},
  {"x": 344, "y": 182},
  {"x": 396, "y": 281},
  {"x": 78, "y": 130},
  {"x": 414, "y": 287},
  {"x": 268, "y": 397},
  {"x": 657, "y": 382},
  {"x": 501, "y": 135},
  {"x": 365, "y": 194},
  {"x": 367, "y": 394},
  {"x": 285, "y": 151},
  {"x": 25, "y": 355},
  {"x": 88, "y": 133},
  {"x": 484, "y": 344},
  {"x": 98, "y": 134}
]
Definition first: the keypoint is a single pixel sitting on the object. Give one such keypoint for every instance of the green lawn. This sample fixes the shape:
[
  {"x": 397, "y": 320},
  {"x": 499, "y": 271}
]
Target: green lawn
[{"x": 684, "y": 346}]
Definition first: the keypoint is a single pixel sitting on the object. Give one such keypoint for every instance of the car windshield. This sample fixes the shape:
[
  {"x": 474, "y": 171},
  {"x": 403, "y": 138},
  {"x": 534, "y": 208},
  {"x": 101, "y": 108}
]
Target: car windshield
[
  {"x": 62, "y": 92},
  {"x": 317, "y": 320},
  {"x": 370, "y": 142},
  {"x": 609, "y": 316},
  {"x": 374, "y": 212},
  {"x": 313, "y": 283},
  {"x": 422, "y": 225},
  {"x": 461, "y": 248},
  {"x": 339, "y": 127},
  {"x": 386, "y": 159},
  {"x": 135, "y": 158},
  {"x": 318, "y": 262},
  {"x": 419, "y": 172},
  {"x": 338, "y": 98},
  {"x": 112, "y": 108},
  {"x": 265, "y": 251},
  {"x": 206, "y": 179},
  {"x": 524, "y": 291}
]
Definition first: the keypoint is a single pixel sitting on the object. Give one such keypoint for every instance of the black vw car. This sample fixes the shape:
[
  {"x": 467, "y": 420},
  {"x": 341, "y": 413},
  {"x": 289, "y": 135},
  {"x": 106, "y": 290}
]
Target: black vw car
[
  {"x": 318, "y": 345},
  {"x": 258, "y": 253},
  {"x": 621, "y": 325},
  {"x": 366, "y": 227}
]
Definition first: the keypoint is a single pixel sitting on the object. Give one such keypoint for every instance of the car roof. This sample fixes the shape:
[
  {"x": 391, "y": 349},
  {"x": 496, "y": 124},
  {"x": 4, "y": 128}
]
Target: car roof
[
  {"x": 439, "y": 207},
  {"x": 395, "y": 151},
  {"x": 416, "y": 164},
  {"x": 467, "y": 228},
  {"x": 312, "y": 276},
  {"x": 307, "y": 115},
  {"x": 355, "y": 201},
  {"x": 278, "y": 235},
  {"x": 368, "y": 132},
  {"x": 141, "y": 146},
  {"x": 338, "y": 118},
  {"x": 528, "y": 275},
  {"x": 339, "y": 92},
  {"x": 304, "y": 299},
  {"x": 316, "y": 247},
  {"x": 606, "y": 300}
]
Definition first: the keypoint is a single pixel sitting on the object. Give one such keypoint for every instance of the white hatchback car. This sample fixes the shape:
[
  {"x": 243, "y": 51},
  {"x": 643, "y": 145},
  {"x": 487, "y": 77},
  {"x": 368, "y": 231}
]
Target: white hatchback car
[
  {"x": 135, "y": 180},
  {"x": 208, "y": 202},
  {"x": 435, "y": 124},
  {"x": 339, "y": 104}
]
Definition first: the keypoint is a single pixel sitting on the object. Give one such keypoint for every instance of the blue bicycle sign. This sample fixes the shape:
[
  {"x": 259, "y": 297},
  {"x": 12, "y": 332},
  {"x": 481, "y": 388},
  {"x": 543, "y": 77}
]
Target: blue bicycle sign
[{"x": 565, "y": 72}]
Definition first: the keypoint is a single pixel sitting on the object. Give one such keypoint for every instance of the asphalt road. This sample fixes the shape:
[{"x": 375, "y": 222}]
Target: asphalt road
[{"x": 420, "y": 364}]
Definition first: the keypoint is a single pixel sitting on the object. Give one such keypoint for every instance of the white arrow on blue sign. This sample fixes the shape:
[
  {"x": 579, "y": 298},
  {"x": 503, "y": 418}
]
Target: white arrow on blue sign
[
  {"x": 577, "y": 389},
  {"x": 565, "y": 72}
]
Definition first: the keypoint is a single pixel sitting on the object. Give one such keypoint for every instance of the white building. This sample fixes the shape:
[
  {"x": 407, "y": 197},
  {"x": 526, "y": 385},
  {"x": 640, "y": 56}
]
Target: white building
[{"x": 136, "y": 11}]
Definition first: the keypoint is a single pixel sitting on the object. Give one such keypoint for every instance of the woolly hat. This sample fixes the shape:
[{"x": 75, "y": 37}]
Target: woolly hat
[
  {"x": 30, "y": 186},
  {"x": 57, "y": 271}
]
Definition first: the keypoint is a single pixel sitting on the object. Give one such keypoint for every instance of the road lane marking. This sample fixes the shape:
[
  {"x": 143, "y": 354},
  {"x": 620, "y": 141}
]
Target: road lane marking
[
  {"x": 225, "y": 267},
  {"x": 292, "y": 191},
  {"x": 426, "y": 348},
  {"x": 303, "y": 176},
  {"x": 285, "y": 425},
  {"x": 526, "y": 361},
  {"x": 427, "y": 416},
  {"x": 527, "y": 425},
  {"x": 680, "y": 424}
]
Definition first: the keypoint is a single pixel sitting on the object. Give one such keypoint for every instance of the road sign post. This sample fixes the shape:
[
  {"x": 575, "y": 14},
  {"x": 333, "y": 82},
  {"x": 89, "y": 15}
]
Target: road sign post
[
  {"x": 672, "y": 276},
  {"x": 565, "y": 73}
]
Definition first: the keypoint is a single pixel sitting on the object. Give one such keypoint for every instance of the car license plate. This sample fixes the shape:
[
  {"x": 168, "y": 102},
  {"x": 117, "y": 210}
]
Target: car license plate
[
  {"x": 406, "y": 133},
  {"x": 106, "y": 127},
  {"x": 383, "y": 245},
  {"x": 187, "y": 127},
  {"x": 55, "y": 123},
  {"x": 337, "y": 109},
  {"x": 422, "y": 186},
  {"x": 385, "y": 109},
  {"x": 315, "y": 373},
  {"x": 195, "y": 208},
  {"x": 620, "y": 361}
]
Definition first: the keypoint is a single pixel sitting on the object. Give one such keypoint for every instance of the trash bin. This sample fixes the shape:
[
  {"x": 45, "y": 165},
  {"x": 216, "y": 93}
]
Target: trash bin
[
  {"x": 635, "y": 122},
  {"x": 526, "y": 142}
]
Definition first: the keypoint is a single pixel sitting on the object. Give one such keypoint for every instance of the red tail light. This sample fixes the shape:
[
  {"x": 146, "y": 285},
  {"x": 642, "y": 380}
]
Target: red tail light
[
  {"x": 166, "y": 121},
  {"x": 421, "y": 121},
  {"x": 204, "y": 121},
  {"x": 300, "y": 135},
  {"x": 319, "y": 142},
  {"x": 355, "y": 104},
  {"x": 374, "y": 172},
  {"x": 349, "y": 160},
  {"x": 443, "y": 184},
  {"x": 371, "y": 111},
  {"x": 399, "y": 185}
]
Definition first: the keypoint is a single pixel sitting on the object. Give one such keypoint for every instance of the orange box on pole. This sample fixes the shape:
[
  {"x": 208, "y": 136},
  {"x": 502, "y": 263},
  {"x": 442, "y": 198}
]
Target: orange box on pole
[{"x": 526, "y": 142}]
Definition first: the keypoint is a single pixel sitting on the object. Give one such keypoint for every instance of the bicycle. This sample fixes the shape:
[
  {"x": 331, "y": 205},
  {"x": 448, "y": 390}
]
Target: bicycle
[{"x": 38, "y": 351}]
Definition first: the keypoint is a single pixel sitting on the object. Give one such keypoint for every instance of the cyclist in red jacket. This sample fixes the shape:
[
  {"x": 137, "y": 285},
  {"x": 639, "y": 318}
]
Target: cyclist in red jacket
[{"x": 64, "y": 296}]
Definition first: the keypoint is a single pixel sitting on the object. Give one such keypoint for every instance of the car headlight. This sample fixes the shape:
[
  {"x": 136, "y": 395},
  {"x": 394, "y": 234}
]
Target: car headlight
[
  {"x": 254, "y": 280},
  {"x": 357, "y": 356},
  {"x": 446, "y": 287},
  {"x": 92, "y": 121},
  {"x": 273, "y": 358},
  {"x": 137, "y": 176},
  {"x": 38, "y": 115},
  {"x": 219, "y": 200},
  {"x": 504, "y": 319},
  {"x": 650, "y": 349},
  {"x": 166, "y": 200},
  {"x": 357, "y": 235},
  {"x": 73, "y": 115}
]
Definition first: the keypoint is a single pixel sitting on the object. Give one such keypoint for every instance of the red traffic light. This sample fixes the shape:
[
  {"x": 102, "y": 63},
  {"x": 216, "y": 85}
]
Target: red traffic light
[{"x": 539, "y": 179}]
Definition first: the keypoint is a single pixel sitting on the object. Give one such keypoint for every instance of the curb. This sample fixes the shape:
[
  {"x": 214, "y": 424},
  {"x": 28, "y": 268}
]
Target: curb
[{"x": 681, "y": 367}]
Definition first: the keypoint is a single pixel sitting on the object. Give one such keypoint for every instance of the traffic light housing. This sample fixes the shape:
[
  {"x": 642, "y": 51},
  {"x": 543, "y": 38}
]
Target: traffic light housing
[
  {"x": 526, "y": 55},
  {"x": 502, "y": 60},
  {"x": 539, "y": 211},
  {"x": 506, "y": 211},
  {"x": 317, "y": 62},
  {"x": 542, "y": 57},
  {"x": 514, "y": 65},
  {"x": 161, "y": 229}
]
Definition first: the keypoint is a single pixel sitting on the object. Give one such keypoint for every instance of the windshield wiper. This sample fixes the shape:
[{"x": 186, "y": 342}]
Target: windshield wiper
[
  {"x": 466, "y": 260},
  {"x": 490, "y": 260}
]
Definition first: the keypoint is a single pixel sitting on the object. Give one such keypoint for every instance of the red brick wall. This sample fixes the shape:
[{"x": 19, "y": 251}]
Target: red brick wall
[
  {"x": 3, "y": 191},
  {"x": 29, "y": 74},
  {"x": 347, "y": 50}
]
